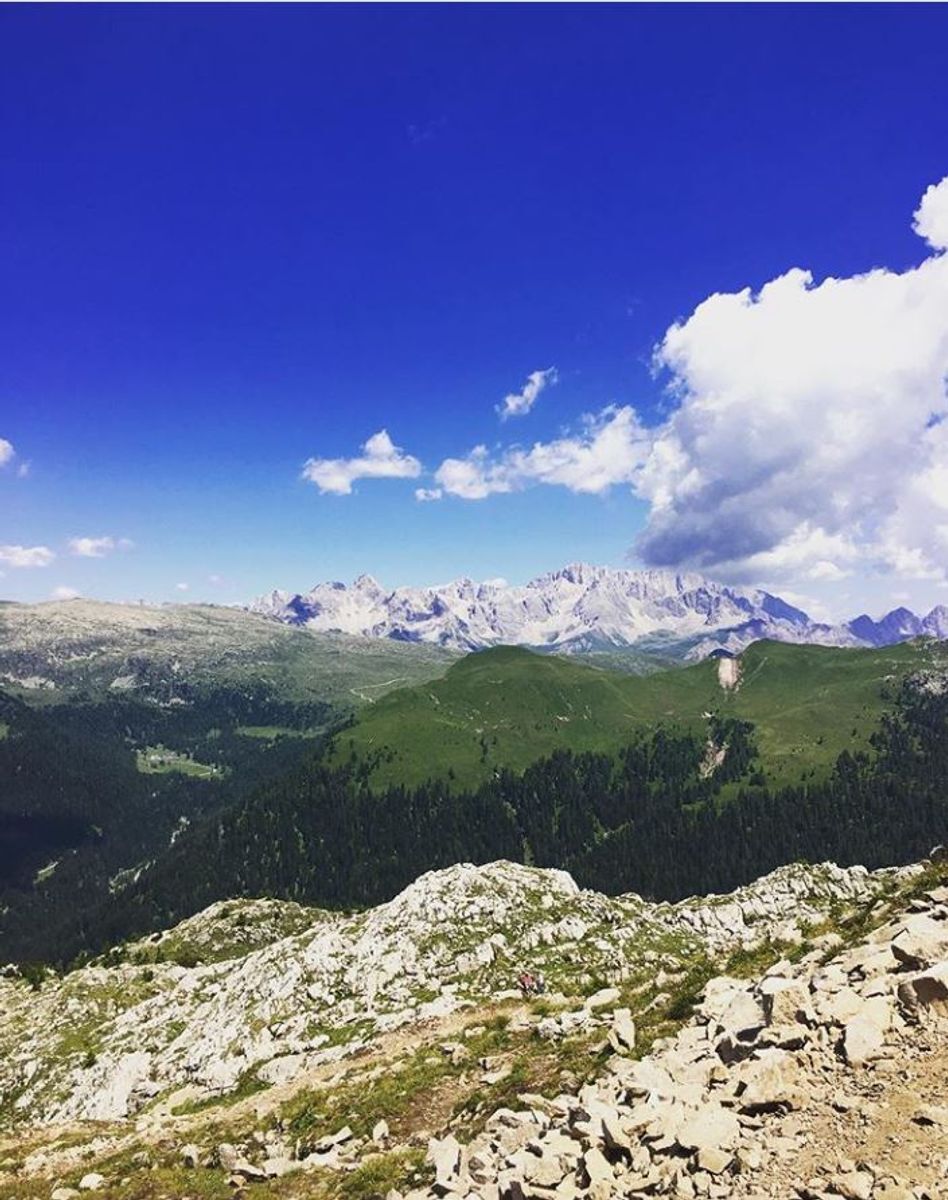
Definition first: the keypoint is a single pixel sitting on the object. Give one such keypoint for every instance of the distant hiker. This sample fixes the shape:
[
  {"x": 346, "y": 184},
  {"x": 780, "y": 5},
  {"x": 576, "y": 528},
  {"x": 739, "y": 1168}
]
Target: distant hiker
[
  {"x": 539, "y": 984},
  {"x": 527, "y": 983}
]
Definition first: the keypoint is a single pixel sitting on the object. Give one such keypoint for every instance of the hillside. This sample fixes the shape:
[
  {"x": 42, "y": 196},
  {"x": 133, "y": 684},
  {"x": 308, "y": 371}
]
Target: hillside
[
  {"x": 508, "y": 707},
  {"x": 122, "y": 816},
  {"x": 719, "y": 1047},
  {"x": 172, "y": 652},
  {"x": 122, "y": 726}
]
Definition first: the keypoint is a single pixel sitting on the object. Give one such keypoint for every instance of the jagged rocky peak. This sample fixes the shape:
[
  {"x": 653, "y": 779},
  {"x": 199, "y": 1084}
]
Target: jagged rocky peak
[
  {"x": 582, "y": 607},
  {"x": 577, "y": 607}
]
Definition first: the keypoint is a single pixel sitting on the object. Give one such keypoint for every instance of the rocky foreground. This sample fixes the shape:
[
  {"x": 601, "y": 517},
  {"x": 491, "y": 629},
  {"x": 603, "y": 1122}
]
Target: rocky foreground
[
  {"x": 788, "y": 1040},
  {"x": 768, "y": 1091}
]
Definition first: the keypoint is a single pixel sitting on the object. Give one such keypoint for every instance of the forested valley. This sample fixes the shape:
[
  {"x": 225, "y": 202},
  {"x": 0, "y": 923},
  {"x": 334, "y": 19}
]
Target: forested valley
[{"x": 667, "y": 816}]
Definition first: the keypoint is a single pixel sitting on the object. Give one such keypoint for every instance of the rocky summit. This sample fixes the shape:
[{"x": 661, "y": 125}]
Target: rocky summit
[
  {"x": 582, "y": 607},
  {"x": 497, "y": 1033}
]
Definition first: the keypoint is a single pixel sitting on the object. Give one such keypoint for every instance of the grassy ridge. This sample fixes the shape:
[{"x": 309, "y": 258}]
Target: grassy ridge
[{"x": 507, "y": 707}]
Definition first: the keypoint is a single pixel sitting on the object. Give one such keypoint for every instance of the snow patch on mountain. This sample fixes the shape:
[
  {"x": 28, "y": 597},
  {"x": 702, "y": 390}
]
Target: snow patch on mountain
[{"x": 581, "y": 608}]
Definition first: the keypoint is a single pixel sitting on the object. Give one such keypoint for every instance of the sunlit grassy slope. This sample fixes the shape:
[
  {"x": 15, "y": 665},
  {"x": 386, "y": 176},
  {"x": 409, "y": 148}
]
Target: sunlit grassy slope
[{"x": 508, "y": 707}]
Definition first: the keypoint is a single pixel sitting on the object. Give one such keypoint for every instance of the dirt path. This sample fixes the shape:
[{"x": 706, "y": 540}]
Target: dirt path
[{"x": 870, "y": 1122}]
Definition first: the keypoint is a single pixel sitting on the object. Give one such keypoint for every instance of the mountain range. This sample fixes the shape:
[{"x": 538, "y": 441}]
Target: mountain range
[{"x": 583, "y": 608}]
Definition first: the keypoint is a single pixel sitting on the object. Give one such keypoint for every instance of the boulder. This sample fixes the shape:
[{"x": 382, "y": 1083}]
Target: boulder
[
  {"x": 279, "y": 1165},
  {"x": 932, "y": 1115},
  {"x": 597, "y": 1166},
  {"x": 774, "y": 1080},
  {"x": 710, "y": 1127},
  {"x": 921, "y": 942},
  {"x": 743, "y": 1017},
  {"x": 331, "y": 1140},
  {"x": 191, "y": 1155},
  {"x": 622, "y": 1033},
  {"x": 787, "y": 1002},
  {"x": 282, "y": 1069},
  {"x": 604, "y": 998},
  {"x": 927, "y": 990},
  {"x": 227, "y": 1156},
  {"x": 247, "y": 1171},
  {"x": 863, "y": 1041},
  {"x": 714, "y": 1161},
  {"x": 91, "y": 1182},
  {"x": 854, "y": 1185},
  {"x": 837, "y": 1007},
  {"x": 444, "y": 1154}
]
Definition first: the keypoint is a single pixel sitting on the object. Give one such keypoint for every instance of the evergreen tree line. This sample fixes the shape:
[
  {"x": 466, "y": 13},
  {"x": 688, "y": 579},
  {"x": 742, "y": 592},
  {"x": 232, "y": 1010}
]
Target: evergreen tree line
[
  {"x": 650, "y": 820},
  {"x": 71, "y": 794}
]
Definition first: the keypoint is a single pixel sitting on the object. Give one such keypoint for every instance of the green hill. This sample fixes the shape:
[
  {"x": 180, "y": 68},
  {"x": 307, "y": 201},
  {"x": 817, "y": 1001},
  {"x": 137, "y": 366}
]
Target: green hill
[{"x": 508, "y": 707}]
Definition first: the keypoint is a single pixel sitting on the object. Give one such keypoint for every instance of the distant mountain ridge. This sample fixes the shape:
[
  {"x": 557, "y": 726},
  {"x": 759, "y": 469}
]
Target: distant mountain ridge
[{"x": 582, "y": 608}]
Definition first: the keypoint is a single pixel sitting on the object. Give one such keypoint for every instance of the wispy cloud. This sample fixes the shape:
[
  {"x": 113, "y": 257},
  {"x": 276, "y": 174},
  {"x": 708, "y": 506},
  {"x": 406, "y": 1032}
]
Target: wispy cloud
[
  {"x": 808, "y": 437},
  {"x": 380, "y": 459},
  {"x": 609, "y": 448},
  {"x": 26, "y": 556},
  {"x": 97, "y": 547},
  {"x": 428, "y": 494},
  {"x": 518, "y": 404},
  {"x": 65, "y": 593}
]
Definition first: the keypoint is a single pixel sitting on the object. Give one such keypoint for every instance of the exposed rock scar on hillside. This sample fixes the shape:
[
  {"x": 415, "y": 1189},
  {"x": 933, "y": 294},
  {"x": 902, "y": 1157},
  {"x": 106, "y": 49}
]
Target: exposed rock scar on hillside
[{"x": 729, "y": 673}]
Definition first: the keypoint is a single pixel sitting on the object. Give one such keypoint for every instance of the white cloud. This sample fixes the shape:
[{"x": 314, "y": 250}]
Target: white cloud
[
  {"x": 7, "y": 453},
  {"x": 24, "y": 469},
  {"x": 182, "y": 587},
  {"x": 428, "y": 494},
  {"x": 97, "y": 547},
  {"x": 381, "y": 459},
  {"x": 609, "y": 449},
  {"x": 810, "y": 438},
  {"x": 518, "y": 404},
  {"x": 931, "y": 216},
  {"x": 65, "y": 593},
  {"x": 26, "y": 556}
]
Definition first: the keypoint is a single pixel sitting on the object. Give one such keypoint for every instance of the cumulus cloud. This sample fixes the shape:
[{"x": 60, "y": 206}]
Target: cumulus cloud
[
  {"x": 97, "y": 547},
  {"x": 809, "y": 437},
  {"x": 518, "y": 404},
  {"x": 428, "y": 494},
  {"x": 610, "y": 448},
  {"x": 931, "y": 216},
  {"x": 65, "y": 593},
  {"x": 380, "y": 459},
  {"x": 7, "y": 453},
  {"x": 26, "y": 556}
]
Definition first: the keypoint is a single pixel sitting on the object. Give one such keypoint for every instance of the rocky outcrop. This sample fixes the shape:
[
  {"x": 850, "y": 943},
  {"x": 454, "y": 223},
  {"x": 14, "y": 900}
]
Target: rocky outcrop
[
  {"x": 103, "y": 1042},
  {"x": 733, "y": 1104}
]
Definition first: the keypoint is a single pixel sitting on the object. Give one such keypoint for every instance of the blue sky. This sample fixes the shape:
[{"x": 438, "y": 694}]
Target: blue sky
[{"x": 238, "y": 239}]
